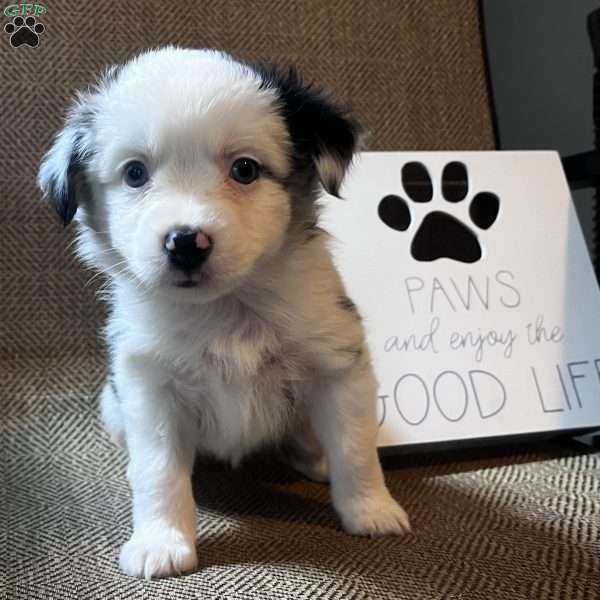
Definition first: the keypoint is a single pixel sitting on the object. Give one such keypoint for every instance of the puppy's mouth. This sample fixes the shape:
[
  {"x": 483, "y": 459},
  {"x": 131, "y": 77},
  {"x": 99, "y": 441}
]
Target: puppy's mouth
[
  {"x": 187, "y": 283},
  {"x": 200, "y": 279}
]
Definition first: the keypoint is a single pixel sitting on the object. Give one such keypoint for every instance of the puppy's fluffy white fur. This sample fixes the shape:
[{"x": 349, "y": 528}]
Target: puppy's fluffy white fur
[{"x": 262, "y": 347}]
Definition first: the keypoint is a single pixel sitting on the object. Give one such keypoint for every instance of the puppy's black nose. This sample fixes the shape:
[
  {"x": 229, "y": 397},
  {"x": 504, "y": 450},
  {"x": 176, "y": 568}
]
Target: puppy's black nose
[{"x": 187, "y": 249}]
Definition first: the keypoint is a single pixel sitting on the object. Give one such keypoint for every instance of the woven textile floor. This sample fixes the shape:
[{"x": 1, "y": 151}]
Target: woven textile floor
[{"x": 516, "y": 523}]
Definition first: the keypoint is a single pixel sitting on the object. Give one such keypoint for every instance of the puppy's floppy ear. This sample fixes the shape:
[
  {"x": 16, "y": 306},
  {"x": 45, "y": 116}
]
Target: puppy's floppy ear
[
  {"x": 322, "y": 132},
  {"x": 62, "y": 172}
]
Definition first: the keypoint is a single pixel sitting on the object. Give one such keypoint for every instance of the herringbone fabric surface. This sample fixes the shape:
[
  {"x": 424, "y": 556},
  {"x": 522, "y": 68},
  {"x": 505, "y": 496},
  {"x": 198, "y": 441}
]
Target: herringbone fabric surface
[{"x": 519, "y": 525}]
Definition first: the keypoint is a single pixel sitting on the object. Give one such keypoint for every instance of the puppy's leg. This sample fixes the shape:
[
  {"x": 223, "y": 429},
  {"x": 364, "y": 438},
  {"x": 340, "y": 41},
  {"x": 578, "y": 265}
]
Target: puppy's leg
[
  {"x": 302, "y": 451},
  {"x": 161, "y": 449},
  {"x": 343, "y": 414}
]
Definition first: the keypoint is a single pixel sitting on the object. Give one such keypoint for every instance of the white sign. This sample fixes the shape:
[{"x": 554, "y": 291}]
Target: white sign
[{"x": 477, "y": 293}]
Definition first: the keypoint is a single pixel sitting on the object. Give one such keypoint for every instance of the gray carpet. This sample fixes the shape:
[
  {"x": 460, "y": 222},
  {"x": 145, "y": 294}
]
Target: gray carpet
[{"x": 521, "y": 522}]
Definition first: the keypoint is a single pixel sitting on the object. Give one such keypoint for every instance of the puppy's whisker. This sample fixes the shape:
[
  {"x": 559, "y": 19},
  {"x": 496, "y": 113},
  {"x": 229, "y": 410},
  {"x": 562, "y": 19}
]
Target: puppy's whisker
[
  {"x": 117, "y": 267},
  {"x": 94, "y": 277}
]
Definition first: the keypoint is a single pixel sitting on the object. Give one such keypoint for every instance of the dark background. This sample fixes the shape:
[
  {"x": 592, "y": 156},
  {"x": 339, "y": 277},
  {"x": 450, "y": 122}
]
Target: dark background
[{"x": 540, "y": 63}]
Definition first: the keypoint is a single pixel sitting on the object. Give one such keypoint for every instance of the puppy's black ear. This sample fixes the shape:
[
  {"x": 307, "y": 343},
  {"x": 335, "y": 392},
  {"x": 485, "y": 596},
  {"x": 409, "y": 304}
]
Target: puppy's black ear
[
  {"x": 62, "y": 172},
  {"x": 322, "y": 132}
]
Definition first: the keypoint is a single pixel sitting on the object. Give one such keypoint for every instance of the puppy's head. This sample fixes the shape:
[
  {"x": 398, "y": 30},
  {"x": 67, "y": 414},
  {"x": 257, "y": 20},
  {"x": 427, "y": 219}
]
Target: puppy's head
[{"x": 188, "y": 170}]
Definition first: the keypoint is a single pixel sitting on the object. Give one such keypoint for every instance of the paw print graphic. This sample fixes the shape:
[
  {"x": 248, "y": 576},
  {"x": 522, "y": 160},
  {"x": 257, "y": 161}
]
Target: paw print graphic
[
  {"x": 24, "y": 32},
  {"x": 440, "y": 234}
]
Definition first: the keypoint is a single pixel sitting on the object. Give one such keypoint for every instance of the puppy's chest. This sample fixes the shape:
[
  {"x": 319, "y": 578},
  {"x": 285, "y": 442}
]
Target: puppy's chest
[
  {"x": 242, "y": 386},
  {"x": 249, "y": 349}
]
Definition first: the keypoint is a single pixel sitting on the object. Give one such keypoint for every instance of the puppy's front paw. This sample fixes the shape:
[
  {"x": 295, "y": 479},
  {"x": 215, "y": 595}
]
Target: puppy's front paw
[
  {"x": 378, "y": 514},
  {"x": 151, "y": 554}
]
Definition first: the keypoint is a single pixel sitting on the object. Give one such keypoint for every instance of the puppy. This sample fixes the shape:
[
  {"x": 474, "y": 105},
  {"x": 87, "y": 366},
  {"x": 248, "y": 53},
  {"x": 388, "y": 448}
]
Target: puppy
[{"x": 193, "y": 179}]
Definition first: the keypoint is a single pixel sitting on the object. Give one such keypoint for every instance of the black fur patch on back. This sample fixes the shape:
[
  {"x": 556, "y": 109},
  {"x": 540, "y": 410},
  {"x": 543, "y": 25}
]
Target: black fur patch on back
[
  {"x": 347, "y": 304},
  {"x": 312, "y": 230},
  {"x": 355, "y": 352}
]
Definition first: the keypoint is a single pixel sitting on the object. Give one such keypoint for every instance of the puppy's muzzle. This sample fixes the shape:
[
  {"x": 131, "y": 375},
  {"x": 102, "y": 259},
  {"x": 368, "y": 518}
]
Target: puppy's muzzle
[{"x": 187, "y": 249}]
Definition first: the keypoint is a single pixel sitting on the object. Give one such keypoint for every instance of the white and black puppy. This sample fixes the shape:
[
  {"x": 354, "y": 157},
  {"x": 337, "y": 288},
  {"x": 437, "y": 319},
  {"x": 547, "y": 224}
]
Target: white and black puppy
[{"x": 194, "y": 180}]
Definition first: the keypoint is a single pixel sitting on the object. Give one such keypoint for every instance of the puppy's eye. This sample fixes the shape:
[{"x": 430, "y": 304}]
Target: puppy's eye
[
  {"x": 245, "y": 170},
  {"x": 136, "y": 174}
]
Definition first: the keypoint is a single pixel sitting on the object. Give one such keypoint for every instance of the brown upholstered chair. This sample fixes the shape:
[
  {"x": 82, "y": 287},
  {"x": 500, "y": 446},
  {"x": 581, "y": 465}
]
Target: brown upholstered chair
[{"x": 512, "y": 523}]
